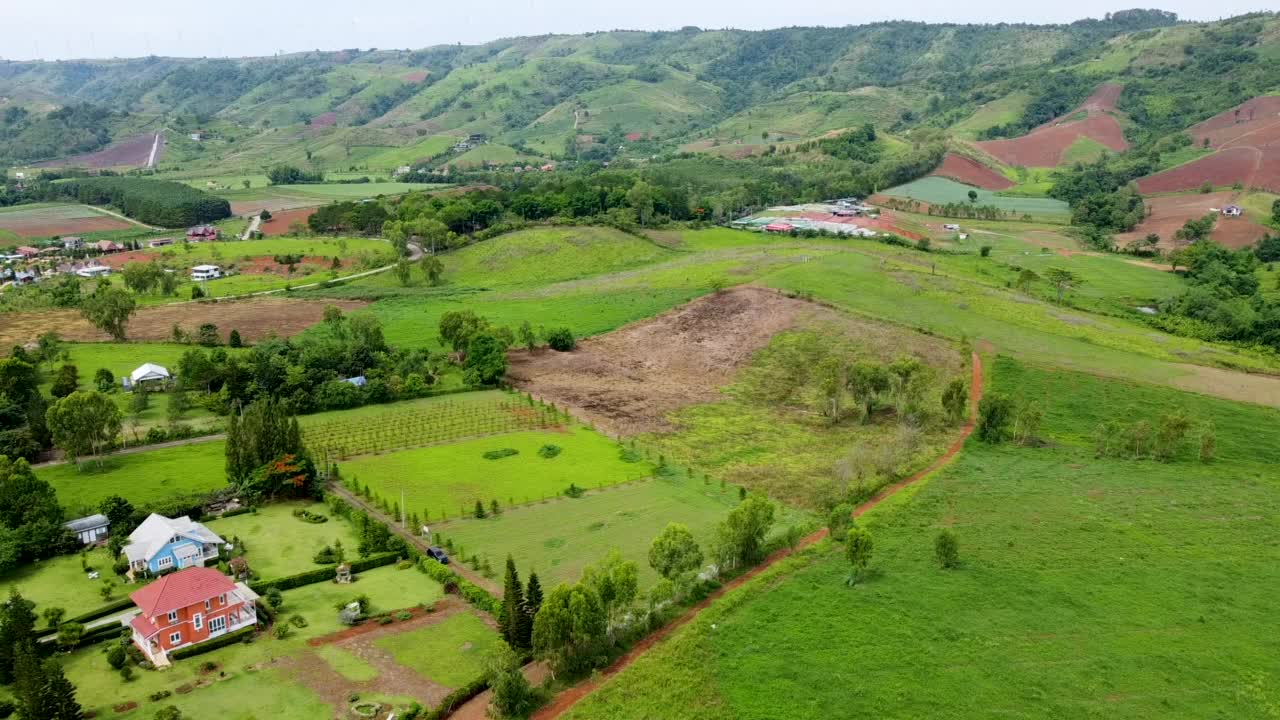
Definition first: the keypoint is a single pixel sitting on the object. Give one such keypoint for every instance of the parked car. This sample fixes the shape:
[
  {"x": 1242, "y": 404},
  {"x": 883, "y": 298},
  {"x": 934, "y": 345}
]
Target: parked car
[{"x": 438, "y": 554}]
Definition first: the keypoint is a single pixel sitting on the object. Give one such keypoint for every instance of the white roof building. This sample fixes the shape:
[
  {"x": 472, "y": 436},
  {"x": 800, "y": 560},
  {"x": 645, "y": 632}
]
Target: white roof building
[
  {"x": 157, "y": 531},
  {"x": 146, "y": 372}
]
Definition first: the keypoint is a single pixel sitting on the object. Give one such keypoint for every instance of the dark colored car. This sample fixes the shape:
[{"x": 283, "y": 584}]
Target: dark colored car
[{"x": 438, "y": 554}]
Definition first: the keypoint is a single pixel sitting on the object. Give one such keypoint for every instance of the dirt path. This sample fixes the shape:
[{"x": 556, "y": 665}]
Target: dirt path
[
  {"x": 570, "y": 697},
  {"x": 413, "y": 539},
  {"x": 255, "y": 222}
]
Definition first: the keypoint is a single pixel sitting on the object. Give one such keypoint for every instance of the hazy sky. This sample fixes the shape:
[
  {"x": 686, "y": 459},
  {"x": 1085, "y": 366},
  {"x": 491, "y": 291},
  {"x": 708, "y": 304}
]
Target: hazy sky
[{"x": 53, "y": 29}]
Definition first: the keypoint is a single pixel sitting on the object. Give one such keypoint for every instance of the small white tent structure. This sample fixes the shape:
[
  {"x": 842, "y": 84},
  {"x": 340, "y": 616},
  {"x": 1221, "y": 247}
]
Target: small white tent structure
[{"x": 147, "y": 373}]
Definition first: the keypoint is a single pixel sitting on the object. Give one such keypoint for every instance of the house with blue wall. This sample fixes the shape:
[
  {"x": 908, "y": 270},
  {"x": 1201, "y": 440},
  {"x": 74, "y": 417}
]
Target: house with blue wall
[{"x": 160, "y": 544}]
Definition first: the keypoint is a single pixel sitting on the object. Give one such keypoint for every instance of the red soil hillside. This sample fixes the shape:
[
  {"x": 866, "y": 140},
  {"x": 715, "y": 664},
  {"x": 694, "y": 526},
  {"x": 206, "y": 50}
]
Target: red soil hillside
[
  {"x": 134, "y": 152},
  {"x": 1046, "y": 145},
  {"x": 971, "y": 172},
  {"x": 1247, "y": 138},
  {"x": 1170, "y": 212}
]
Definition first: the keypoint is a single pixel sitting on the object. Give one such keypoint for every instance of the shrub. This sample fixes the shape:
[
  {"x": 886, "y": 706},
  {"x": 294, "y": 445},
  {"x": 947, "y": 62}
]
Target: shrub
[
  {"x": 840, "y": 521},
  {"x": 324, "y": 556},
  {"x": 404, "y": 615},
  {"x": 501, "y": 453},
  {"x": 561, "y": 339},
  {"x": 281, "y": 631},
  {"x": 947, "y": 550},
  {"x": 169, "y": 712},
  {"x": 297, "y": 621},
  {"x": 548, "y": 451},
  {"x": 7, "y": 708},
  {"x": 995, "y": 412},
  {"x": 116, "y": 657},
  {"x": 574, "y": 491},
  {"x": 126, "y": 673},
  {"x": 159, "y": 695},
  {"x": 984, "y": 251}
]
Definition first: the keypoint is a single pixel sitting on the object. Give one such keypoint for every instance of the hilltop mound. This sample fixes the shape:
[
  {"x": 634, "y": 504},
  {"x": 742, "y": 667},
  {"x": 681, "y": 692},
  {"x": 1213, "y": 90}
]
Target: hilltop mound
[
  {"x": 1247, "y": 138},
  {"x": 1047, "y": 145}
]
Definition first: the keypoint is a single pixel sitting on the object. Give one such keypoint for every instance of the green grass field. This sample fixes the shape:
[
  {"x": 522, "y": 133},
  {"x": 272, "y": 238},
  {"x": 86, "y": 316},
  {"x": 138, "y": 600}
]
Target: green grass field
[
  {"x": 448, "y": 479},
  {"x": 61, "y": 582},
  {"x": 1084, "y": 149},
  {"x": 451, "y": 652},
  {"x": 940, "y": 190},
  {"x": 997, "y": 112},
  {"x": 558, "y": 538},
  {"x": 546, "y": 255},
  {"x": 277, "y": 543},
  {"x": 1072, "y": 567},
  {"x": 141, "y": 478}
]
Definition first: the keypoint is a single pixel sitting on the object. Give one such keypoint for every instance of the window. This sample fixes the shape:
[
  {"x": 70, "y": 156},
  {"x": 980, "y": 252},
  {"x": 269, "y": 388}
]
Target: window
[
  {"x": 207, "y": 604},
  {"x": 173, "y": 616},
  {"x": 217, "y": 624},
  {"x": 164, "y": 562},
  {"x": 198, "y": 621},
  {"x": 175, "y": 638},
  {"x": 222, "y": 598}
]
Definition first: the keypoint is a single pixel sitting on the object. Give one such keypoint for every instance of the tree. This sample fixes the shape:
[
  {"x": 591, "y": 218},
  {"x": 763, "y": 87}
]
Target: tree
[
  {"x": 528, "y": 338},
  {"x": 512, "y": 695},
  {"x": 177, "y": 406},
  {"x": 17, "y": 628},
  {"x": 458, "y": 327},
  {"x": 69, "y": 634},
  {"x": 104, "y": 380},
  {"x": 839, "y": 522},
  {"x": 119, "y": 512},
  {"x": 995, "y": 412},
  {"x": 858, "y": 550},
  {"x": 955, "y": 400},
  {"x": 1275, "y": 211},
  {"x": 84, "y": 423},
  {"x": 207, "y": 335},
  {"x": 30, "y": 517},
  {"x": 109, "y": 310},
  {"x": 53, "y": 615},
  {"x": 739, "y": 538},
  {"x": 973, "y": 196},
  {"x": 404, "y": 272},
  {"x": 674, "y": 553},
  {"x": 947, "y": 550},
  {"x": 532, "y": 603},
  {"x": 41, "y": 690},
  {"x": 432, "y": 269},
  {"x": 512, "y": 606},
  {"x": 1061, "y": 279},
  {"x": 1026, "y": 422},
  {"x": 486, "y": 361},
  {"x": 616, "y": 581},
  {"x": 142, "y": 277},
  {"x": 568, "y": 627},
  {"x": 479, "y": 512},
  {"x": 262, "y": 432},
  {"x": 49, "y": 347},
  {"x": 65, "y": 382},
  {"x": 641, "y": 199},
  {"x": 139, "y": 401}
]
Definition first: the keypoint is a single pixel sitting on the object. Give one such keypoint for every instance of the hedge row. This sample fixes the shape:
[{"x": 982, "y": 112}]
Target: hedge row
[
  {"x": 321, "y": 574},
  {"x": 472, "y": 593},
  {"x": 456, "y": 698},
  {"x": 214, "y": 644},
  {"x": 102, "y": 611}
]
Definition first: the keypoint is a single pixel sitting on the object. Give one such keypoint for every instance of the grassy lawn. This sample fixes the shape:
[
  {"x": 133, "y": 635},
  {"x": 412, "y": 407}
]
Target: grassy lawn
[
  {"x": 448, "y": 479},
  {"x": 546, "y": 255},
  {"x": 259, "y": 689},
  {"x": 560, "y": 537},
  {"x": 61, "y": 582},
  {"x": 450, "y": 652},
  {"x": 347, "y": 664},
  {"x": 1088, "y": 588},
  {"x": 278, "y": 544},
  {"x": 140, "y": 478},
  {"x": 941, "y": 190}
]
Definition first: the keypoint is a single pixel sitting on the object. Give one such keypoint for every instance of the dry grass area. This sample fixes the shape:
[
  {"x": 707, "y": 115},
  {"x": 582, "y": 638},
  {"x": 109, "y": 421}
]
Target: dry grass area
[
  {"x": 255, "y": 319},
  {"x": 627, "y": 381}
]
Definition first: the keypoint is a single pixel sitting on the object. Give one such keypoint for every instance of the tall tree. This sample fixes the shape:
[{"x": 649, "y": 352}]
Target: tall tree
[
  {"x": 641, "y": 199},
  {"x": 858, "y": 548},
  {"x": 615, "y": 581},
  {"x": 84, "y": 423},
  {"x": 42, "y": 690},
  {"x": 568, "y": 627},
  {"x": 532, "y": 603},
  {"x": 740, "y": 536},
  {"x": 264, "y": 431},
  {"x": 17, "y": 626},
  {"x": 109, "y": 309},
  {"x": 1061, "y": 279},
  {"x": 512, "y": 606},
  {"x": 674, "y": 552}
]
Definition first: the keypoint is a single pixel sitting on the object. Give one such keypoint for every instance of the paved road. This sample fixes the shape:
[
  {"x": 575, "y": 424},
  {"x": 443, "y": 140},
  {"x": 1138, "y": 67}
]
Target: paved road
[
  {"x": 155, "y": 150},
  {"x": 254, "y": 223},
  {"x": 412, "y": 538}
]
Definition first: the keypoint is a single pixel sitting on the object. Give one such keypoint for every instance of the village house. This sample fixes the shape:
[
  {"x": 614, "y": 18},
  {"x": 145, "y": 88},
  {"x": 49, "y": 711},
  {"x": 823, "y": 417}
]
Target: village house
[
  {"x": 1233, "y": 211},
  {"x": 94, "y": 271},
  {"x": 160, "y": 242},
  {"x": 161, "y": 544},
  {"x": 187, "y": 608},
  {"x": 90, "y": 529},
  {"x": 206, "y": 272},
  {"x": 72, "y": 243},
  {"x": 202, "y": 233},
  {"x": 108, "y": 246}
]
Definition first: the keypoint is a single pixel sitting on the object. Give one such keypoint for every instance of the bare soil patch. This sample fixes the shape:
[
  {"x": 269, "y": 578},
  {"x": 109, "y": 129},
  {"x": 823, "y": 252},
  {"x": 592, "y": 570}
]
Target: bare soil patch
[
  {"x": 33, "y": 227},
  {"x": 1248, "y": 139},
  {"x": 971, "y": 172},
  {"x": 1170, "y": 212},
  {"x": 627, "y": 381},
  {"x": 133, "y": 152},
  {"x": 1045, "y": 146},
  {"x": 280, "y": 222},
  {"x": 254, "y": 319}
]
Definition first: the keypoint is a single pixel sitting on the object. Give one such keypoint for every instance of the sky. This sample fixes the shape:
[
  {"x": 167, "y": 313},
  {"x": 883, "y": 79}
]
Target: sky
[{"x": 63, "y": 29}]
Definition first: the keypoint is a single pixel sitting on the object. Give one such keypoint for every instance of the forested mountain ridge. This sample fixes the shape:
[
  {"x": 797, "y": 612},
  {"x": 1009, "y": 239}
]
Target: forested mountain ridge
[{"x": 560, "y": 96}]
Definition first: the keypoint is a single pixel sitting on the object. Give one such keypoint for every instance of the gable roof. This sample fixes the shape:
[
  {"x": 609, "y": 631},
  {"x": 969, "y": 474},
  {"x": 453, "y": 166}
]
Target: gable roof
[
  {"x": 181, "y": 589},
  {"x": 148, "y": 371},
  {"x": 157, "y": 530},
  {"x": 87, "y": 523}
]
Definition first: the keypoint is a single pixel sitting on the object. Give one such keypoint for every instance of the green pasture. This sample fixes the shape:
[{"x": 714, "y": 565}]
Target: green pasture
[
  {"x": 448, "y": 479},
  {"x": 547, "y": 255},
  {"x": 558, "y": 538},
  {"x": 141, "y": 478},
  {"x": 1001, "y": 111},
  {"x": 1083, "y": 150},
  {"x": 278, "y": 544},
  {"x": 60, "y": 581},
  {"x": 451, "y": 652},
  {"x": 938, "y": 190},
  {"x": 229, "y": 251},
  {"x": 1087, "y": 588}
]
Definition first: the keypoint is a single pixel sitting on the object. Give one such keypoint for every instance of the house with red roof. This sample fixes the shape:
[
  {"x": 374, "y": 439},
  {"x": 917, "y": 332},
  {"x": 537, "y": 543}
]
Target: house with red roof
[
  {"x": 189, "y": 607},
  {"x": 27, "y": 251}
]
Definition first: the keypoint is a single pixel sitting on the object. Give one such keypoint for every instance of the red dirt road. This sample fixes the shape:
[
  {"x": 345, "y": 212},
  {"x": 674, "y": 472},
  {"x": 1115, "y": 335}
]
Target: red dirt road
[
  {"x": 971, "y": 172},
  {"x": 570, "y": 697}
]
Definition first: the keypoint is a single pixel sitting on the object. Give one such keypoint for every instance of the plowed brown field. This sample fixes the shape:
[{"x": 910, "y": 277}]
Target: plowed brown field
[
  {"x": 971, "y": 172},
  {"x": 1237, "y": 164},
  {"x": 280, "y": 222},
  {"x": 1248, "y": 141},
  {"x": 133, "y": 152},
  {"x": 1046, "y": 145},
  {"x": 1170, "y": 212}
]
